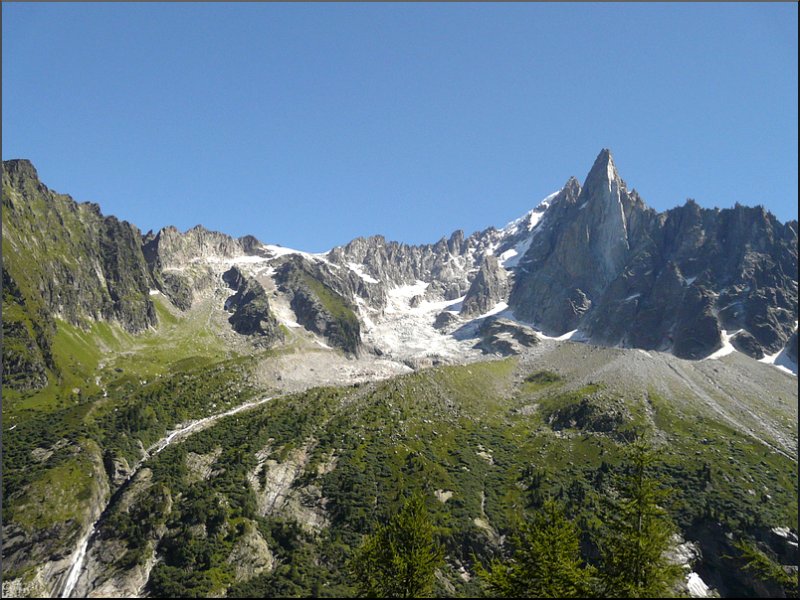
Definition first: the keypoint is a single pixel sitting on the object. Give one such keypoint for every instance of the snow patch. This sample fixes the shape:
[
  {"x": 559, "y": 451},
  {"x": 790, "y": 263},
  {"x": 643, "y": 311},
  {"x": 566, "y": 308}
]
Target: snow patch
[
  {"x": 154, "y": 292},
  {"x": 780, "y": 360},
  {"x": 727, "y": 347},
  {"x": 400, "y": 297},
  {"x": 280, "y": 250},
  {"x": 512, "y": 256},
  {"x": 248, "y": 259},
  {"x": 696, "y": 586},
  {"x": 359, "y": 270},
  {"x": 573, "y": 336},
  {"x": 277, "y": 251},
  {"x": 498, "y": 308},
  {"x": 406, "y": 332}
]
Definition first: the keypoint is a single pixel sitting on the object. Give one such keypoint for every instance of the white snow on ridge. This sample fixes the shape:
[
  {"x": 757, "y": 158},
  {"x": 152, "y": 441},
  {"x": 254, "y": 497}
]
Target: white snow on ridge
[
  {"x": 359, "y": 270},
  {"x": 248, "y": 259},
  {"x": 532, "y": 216},
  {"x": 498, "y": 308},
  {"x": 280, "y": 250},
  {"x": 277, "y": 251},
  {"x": 512, "y": 256},
  {"x": 232, "y": 260}
]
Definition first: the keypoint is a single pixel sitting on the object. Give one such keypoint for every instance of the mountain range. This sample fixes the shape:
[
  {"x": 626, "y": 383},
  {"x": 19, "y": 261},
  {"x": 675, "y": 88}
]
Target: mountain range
[{"x": 118, "y": 345}]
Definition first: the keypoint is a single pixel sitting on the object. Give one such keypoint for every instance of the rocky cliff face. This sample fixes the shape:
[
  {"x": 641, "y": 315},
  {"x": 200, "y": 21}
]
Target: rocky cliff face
[
  {"x": 625, "y": 275},
  {"x": 578, "y": 250},
  {"x": 62, "y": 260},
  {"x": 82, "y": 265},
  {"x": 489, "y": 287},
  {"x": 446, "y": 265},
  {"x": 179, "y": 263},
  {"x": 318, "y": 306},
  {"x": 171, "y": 249},
  {"x": 250, "y": 306},
  {"x": 505, "y": 337}
]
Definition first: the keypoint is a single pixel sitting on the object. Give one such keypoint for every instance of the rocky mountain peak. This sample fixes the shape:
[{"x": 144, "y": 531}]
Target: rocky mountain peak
[
  {"x": 20, "y": 166},
  {"x": 572, "y": 187},
  {"x": 603, "y": 171}
]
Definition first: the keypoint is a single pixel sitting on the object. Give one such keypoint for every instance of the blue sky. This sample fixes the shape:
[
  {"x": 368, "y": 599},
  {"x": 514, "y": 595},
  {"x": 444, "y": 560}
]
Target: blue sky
[{"x": 310, "y": 124}]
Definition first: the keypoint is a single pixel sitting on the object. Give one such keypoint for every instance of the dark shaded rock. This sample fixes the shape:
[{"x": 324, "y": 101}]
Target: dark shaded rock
[
  {"x": 250, "y": 306},
  {"x": 791, "y": 348},
  {"x": 591, "y": 413},
  {"x": 556, "y": 266},
  {"x": 69, "y": 258},
  {"x": 697, "y": 334},
  {"x": 744, "y": 342},
  {"x": 126, "y": 276},
  {"x": 117, "y": 468},
  {"x": 26, "y": 344},
  {"x": 177, "y": 289},
  {"x": 251, "y": 245},
  {"x": 445, "y": 319},
  {"x": 721, "y": 569},
  {"x": 505, "y": 337}
]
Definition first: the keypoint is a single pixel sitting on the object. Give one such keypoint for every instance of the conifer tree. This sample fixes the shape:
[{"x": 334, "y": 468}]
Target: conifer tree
[
  {"x": 400, "y": 559},
  {"x": 547, "y": 562},
  {"x": 765, "y": 569},
  {"x": 633, "y": 546}
]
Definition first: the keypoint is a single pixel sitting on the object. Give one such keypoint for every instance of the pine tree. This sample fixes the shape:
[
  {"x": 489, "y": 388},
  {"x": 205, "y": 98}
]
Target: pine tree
[
  {"x": 638, "y": 534},
  {"x": 765, "y": 569},
  {"x": 547, "y": 562},
  {"x": 400, "y": 559}
]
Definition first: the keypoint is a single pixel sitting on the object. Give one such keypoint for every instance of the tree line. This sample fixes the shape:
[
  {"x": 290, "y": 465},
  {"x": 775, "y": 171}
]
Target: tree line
[{"x": 631, "y": 557}]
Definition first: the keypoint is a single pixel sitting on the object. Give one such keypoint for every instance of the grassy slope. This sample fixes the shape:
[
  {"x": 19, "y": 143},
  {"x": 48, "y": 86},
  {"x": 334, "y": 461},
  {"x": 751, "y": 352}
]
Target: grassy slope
[
  {"x": 478, "y": 431},
  {"x": 115, "y": 392}
]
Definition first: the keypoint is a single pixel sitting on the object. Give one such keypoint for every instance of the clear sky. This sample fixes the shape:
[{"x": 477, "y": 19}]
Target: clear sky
[{"x": 310, "y": 124}]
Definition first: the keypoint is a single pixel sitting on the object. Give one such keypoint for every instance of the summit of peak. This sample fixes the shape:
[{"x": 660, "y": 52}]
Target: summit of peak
[
  {"x": 603, "y": 168},
  {"x": 20, "y": 166}
]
